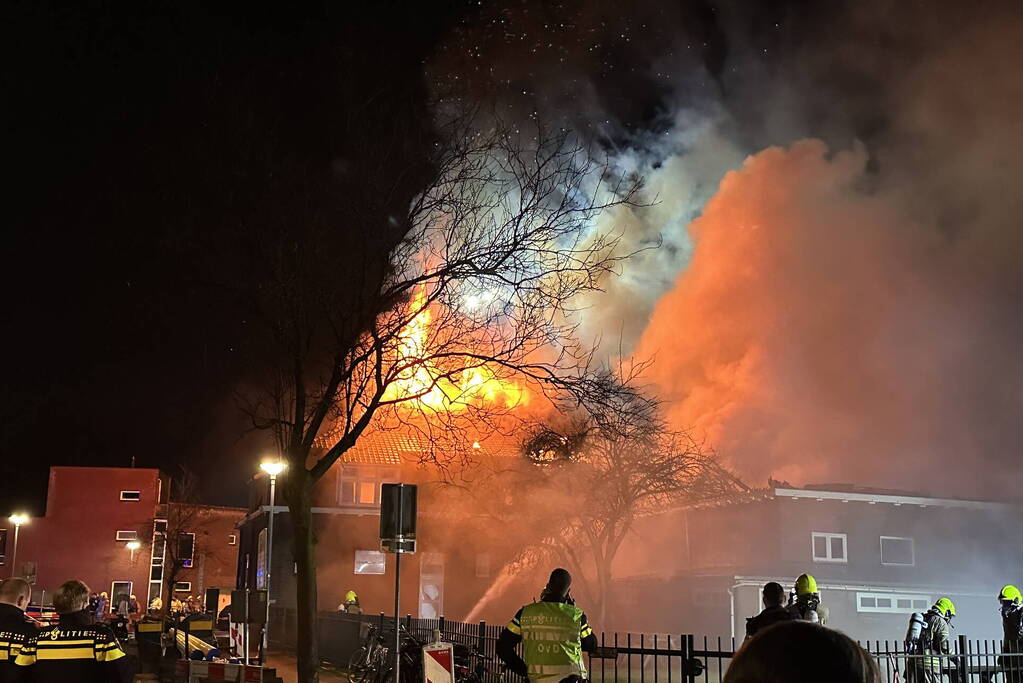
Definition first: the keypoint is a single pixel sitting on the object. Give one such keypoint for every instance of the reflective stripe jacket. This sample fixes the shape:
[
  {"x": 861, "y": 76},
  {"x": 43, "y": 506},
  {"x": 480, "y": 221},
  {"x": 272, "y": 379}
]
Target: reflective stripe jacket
[
  {"x": 15, "y": 630},
  {"x": 552, "y": 635},
  {"x": 936, "y": 641},
  {"x": 74, "y": 651}
]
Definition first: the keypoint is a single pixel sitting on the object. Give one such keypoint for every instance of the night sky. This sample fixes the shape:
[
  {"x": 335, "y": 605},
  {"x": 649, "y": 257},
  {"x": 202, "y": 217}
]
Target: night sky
[{"x": 138, "y": 139}]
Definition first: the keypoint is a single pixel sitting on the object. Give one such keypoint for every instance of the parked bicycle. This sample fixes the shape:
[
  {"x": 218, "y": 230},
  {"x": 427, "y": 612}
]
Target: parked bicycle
[{"x": 371, "y": 658}]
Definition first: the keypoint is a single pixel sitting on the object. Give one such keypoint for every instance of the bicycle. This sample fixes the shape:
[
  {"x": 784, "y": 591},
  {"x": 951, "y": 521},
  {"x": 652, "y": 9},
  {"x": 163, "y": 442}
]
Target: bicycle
[{"x": 369, "y": 659}]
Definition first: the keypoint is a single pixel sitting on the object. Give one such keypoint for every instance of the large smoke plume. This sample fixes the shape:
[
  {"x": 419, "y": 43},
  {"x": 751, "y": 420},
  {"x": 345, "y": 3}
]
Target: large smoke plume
[{"x": 845, "y": 304}]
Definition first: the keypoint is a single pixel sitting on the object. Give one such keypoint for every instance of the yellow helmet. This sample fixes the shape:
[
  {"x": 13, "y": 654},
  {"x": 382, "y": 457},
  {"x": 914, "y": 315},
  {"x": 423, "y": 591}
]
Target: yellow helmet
[
  {"x": 946, "y": 607},
  {"x": 1010, "y": 593},
  {"x": 350, "y": 596},
  {"x": 806, "y": 584}
]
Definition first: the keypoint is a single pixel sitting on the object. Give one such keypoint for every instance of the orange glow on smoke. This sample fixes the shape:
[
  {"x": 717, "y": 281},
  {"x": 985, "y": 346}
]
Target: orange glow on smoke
[{"x": 440, "y": 388}]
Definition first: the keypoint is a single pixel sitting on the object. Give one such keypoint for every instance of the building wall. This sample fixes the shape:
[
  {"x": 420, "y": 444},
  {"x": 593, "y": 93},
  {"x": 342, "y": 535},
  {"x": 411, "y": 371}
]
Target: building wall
[{"x": 77, "y": 538}]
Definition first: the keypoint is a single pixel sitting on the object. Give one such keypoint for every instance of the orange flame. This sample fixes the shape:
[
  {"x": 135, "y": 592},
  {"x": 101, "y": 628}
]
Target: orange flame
[{"x": 432, "y": 386}]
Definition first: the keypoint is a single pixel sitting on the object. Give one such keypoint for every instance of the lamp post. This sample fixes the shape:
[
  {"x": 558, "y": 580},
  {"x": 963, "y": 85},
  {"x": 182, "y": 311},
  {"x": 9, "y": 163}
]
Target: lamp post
[
  {"x": 17, "y": 519},
  {"x": 132, "y": 546},
  {"x": 273, "y": 468}
]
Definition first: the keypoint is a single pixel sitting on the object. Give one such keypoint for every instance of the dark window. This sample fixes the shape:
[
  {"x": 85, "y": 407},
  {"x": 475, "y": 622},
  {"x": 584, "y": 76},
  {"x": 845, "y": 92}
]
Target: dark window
[
  {"x": 183, "y": 586},
  {"x": 131, "y": 495},
  {"x": 186, "y": 549},
  {"x": 895, "y": 550}
]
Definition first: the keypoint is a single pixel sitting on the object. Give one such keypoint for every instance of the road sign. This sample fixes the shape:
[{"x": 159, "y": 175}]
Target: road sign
[{"x": 438, "y": 663}]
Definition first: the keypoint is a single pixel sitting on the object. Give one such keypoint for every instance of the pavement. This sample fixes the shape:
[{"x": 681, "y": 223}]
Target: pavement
[{"x": 287, "y": 669}]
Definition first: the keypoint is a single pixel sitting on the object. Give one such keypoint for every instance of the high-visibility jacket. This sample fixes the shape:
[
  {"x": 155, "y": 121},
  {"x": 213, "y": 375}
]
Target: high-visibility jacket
[
  {"x": 15, "y": 630},
  {"x": 552, "y": 634},
  {"x": 75, "y": 650}
]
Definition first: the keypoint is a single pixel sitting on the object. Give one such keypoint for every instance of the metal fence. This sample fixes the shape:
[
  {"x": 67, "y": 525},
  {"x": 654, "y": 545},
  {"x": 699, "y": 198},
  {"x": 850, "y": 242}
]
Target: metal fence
[
  {"x": 968, "y": 660},
  {"x": 681, "y": 658}
]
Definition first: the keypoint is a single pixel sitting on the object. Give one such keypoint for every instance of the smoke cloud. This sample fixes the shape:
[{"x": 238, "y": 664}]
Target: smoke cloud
[{"x": 843, "y": 305}]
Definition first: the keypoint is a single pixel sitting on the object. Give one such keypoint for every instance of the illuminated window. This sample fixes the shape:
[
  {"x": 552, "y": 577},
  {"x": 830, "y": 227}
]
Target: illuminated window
[
  {"x": 828, "y": 547},
  {"x": 897, "y": 551},
  {"x": 369, "y": 562},
  {"x": 360, "y": 484}
]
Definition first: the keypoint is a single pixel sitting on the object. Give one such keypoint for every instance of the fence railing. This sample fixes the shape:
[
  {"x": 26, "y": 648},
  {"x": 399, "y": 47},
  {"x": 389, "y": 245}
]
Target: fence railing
[{"x": 665, "y": 658}]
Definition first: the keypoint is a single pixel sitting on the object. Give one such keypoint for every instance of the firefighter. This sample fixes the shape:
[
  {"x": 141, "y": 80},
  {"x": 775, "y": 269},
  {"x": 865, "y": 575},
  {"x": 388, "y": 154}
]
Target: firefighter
[
  {"x": 1010, "y": 601},
  {"x": 554, "y": 634},
  {"x": 15, "y": 627},
  {"x": 75, "y": 649},
  {"x": 351, "y": 604},
  {"x": 805, "y": 601},
  {"x": 935, "y": 641}
]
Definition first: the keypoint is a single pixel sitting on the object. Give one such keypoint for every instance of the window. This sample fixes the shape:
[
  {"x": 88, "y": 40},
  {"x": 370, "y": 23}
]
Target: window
[
  {"x": 369, "y": 562},
  {"x": 891, "y": 602},
  {"x": 127, "y": 535},
  {"x": 828, "y": 547},
  {"x": 131, "y": 495},
  {"x": 360, "y": 484},
  {"x": 261, "y": 559},
  {"x": 482, "y": 565},
  {"x": 897, "y": 551},
  {"x": 232, "y": 539},
  {"x": 182, "y": 586},
  {"x": 186, "y": 549}
]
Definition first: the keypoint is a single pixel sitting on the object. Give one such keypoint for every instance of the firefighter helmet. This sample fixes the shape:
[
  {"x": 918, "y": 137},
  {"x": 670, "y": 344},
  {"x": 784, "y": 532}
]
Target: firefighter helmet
[
  {"x": 1010, "y": 593},
  {"x": 806, "y": 584},
  {"x": 946, "y": 607},
  {"x": 350, "y": 596}
]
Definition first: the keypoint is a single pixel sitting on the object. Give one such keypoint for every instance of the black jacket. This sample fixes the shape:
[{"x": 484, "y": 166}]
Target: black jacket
[
  {"x": 76, "y": 650},
  {"x": 15, "y": 630},
  {"x": 770, "y": 615}
]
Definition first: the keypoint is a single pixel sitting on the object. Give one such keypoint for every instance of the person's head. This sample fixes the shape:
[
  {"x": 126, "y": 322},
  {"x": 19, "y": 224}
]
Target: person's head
[
  {"x": 16, "y": 591},
  {"x": 133, "y": 598},
  {"x": 774, "y": 594},
  {"x": 558, "y": 585},
  {"x": 801, "y": 652},
  {"x": 72, "y": 596},
  {"x": 103, "y": 594}
]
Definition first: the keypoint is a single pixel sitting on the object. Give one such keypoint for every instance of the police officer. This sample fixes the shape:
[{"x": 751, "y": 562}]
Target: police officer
[
  {"x": 773, "y": 612},
  {"x": 1011, "y": 607},
  {"x": 75, "y": 650},
  {"x": 805, "y": 602},
  {"x": 554, "y": 634},
  {"x": 15, "y": 627}
]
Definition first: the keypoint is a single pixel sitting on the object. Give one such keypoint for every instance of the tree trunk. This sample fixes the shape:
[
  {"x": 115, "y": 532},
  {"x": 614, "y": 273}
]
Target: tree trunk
[
  {"x": 603, "y": 588},
  {"x": 307, "y": 647}
]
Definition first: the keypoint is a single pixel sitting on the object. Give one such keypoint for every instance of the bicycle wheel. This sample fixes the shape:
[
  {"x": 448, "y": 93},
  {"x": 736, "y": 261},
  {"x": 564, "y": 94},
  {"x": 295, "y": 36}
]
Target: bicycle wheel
[{"x": 357, "y": 665}]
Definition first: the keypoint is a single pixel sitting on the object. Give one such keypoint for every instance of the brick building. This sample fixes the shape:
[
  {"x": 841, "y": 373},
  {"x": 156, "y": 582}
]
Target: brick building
[{"x": 93, "y": 513}]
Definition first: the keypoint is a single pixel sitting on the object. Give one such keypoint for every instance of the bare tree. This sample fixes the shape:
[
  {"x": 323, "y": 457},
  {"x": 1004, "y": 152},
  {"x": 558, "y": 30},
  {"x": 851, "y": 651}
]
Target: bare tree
[
  {"x": 474, "y": 306},
  {"x": 617, "y": 465}
]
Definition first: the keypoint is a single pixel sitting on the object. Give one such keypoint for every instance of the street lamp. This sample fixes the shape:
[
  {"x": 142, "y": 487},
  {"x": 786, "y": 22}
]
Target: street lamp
[
  {"x": 132, "y": 546},
  {"x": 17, "y": 519},
  {"x": 273, "y": 468}
]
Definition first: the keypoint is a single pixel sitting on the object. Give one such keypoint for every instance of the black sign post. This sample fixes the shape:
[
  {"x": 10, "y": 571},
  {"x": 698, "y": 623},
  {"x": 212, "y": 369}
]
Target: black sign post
[{"x": 397, "y": 535}]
